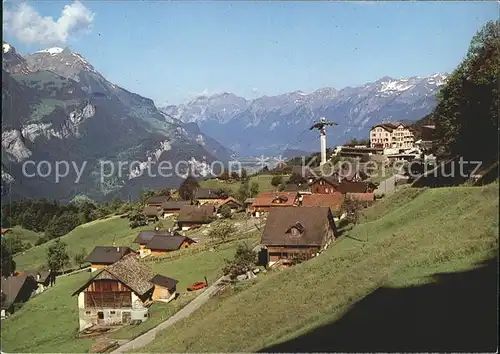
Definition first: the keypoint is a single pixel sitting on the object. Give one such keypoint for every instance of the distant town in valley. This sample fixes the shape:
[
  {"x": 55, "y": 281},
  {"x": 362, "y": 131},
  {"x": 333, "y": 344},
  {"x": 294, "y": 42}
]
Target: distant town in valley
[{"x": 361, "y": 219}]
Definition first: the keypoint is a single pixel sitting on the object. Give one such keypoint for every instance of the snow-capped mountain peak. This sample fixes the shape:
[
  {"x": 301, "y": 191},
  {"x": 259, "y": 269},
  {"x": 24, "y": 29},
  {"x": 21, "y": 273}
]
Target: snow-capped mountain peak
[
  {"x": 6, "y": 47},
  {"x": 52, "y": 51}
]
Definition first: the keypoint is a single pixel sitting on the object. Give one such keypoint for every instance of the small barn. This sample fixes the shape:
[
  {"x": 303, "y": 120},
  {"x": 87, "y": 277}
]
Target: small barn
[
  {"x": 233, "y": 204},
  {"x": 161, "y": 244},
  {"x": 165, "y": 288},
  {"x": 195, "y": 215},
  {"x": 173, "y": 207}
]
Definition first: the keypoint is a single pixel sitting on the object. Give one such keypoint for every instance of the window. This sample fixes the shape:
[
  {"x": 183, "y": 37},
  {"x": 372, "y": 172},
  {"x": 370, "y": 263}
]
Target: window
[
  {"x": 100, "y": 315},
  {"x": 112, "y": 312}
]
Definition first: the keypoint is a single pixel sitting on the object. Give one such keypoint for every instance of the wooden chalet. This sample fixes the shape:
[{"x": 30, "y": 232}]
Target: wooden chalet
[
  {"x": 265, "y": 201},
  {"x": 209, "y": 196},
  {"x": 173, "y": 207},
  {"x": 333, "y": 201},
  {"x": 152, "y": 213},
  {"x": 116, "y": 294},
  {"x": 144, "y": 237},
  {"x": 192, "y": 216},
  {"x": 329, "y": 185},
  {"x": 16, "y": 289},
  {"x": 157, "y": 200},
  {"x": 300, "y": 233},
  {"x": 165, "y": 288},
  {"x": 233, "y": 204},
  {"x": 42, "y": 278},
  {"x": 102, "y": 256},
  {"x": 161, "y": 244}
]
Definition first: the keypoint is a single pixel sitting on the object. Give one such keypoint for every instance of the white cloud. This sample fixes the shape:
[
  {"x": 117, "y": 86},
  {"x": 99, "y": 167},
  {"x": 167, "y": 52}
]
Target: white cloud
[{"x": 28, "y": 26}]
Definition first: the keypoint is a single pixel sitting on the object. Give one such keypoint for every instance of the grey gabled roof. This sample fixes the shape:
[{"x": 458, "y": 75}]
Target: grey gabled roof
[
  {"x": 175, "y": 205},
  {"x": 107, "y": 254},
  {"x": 129, "y": 271},
  {"x": 146, "y": 235},
  {"x": 167, "y": 243},
  {"x": 163, "y": 281}
]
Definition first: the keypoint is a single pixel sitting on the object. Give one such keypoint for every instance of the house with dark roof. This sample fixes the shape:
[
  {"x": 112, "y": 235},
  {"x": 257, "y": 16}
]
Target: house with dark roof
[
  {"x": 329, "y": 185},
  {"x": 162, "y": 244},
  {"x": 42, "y": 278},
  {"x": 116, "y": 295},
  {"x": 192, "y": 216},
  {"x": 157, "y": 200},
  {"x": 16, "y": 289},
  {"x": 233, "y": 204},
  {"x": 165, "y": 288},
  {"x": 209, "y": 196},
  {"x": 265, "y": 201},
  {"x": 102, "y": 256},
  {"x": 173, "y": 207},
  {"x": 297, "y": 233},
  {"x": 152, "y": 213}
]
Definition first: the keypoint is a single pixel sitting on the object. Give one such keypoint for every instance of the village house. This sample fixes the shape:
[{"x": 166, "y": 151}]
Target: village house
[
  {"x": 192, "y": 216},
  {"x": 102, "y": 256},
  {"x": 144, "y": 237},
  {"x": 157, "y": 200},
  {"x": 162, "y": 244},
  {"x": 300, "y": 233},
  {"x": 233, "y": 204},
  {"x": 118, "y": 294},
  {"x": 333, "y": 201},
  {"x": 5, "y": 231},
  {"x": 265, "y": 201},
  {"x": 165, "y": 288},
  {"x": 152, "y": 213},
  {"x": 42, "y": 278},
  {"x": 209, "y": 196},
  {"x": 15, "y": 290},
  {"x": 173, "y": 207},
  {"x": 328, "y": 185},
  {"x": 351, "y": 173},
  {"x": 393, "y": 135}
]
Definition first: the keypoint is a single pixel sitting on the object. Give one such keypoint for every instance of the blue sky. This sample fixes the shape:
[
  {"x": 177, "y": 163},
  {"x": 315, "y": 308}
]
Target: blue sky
[{"x": 171, "y": 51}]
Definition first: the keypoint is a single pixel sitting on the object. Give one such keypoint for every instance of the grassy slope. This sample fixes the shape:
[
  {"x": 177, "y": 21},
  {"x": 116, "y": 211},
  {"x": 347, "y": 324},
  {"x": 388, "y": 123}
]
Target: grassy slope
[
  {"x": 24, "y": 234},
  {"x": 86, "y": 236},
  {"x": 60, "y": 328},
  {"x": 403, "y": 241},
  {"x": 264, "y": 182}
]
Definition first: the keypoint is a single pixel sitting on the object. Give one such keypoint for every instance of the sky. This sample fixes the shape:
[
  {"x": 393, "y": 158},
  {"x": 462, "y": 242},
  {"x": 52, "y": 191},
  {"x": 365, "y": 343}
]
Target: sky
[{"x": 173, "y": 51}]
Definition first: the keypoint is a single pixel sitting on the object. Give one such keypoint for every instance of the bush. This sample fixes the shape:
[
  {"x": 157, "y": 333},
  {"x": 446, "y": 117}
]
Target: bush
[
  {"x": 244, "y": 260},
  {"x": 225, "y": 211}
]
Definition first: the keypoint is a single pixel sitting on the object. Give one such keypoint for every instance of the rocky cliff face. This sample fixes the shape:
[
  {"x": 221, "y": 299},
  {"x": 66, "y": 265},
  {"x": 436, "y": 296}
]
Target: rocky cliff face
[{"x": 57, "y": 107}]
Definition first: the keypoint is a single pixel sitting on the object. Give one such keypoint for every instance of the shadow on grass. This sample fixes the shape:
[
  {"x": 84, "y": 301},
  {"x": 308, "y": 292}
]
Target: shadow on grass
[{"x": 458, "y": 313}]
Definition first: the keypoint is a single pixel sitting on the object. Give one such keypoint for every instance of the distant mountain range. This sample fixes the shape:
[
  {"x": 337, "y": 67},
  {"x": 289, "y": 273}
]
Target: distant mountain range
[
  {"x": 57, "y": 107},
  {"x": 273, "y": 125}
]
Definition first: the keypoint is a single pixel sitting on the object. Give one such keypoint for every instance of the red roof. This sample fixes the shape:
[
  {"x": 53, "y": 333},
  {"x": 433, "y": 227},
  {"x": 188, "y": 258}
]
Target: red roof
[
  {"x": 333, "y": 201},
  {"x": 275, "y": 199}
]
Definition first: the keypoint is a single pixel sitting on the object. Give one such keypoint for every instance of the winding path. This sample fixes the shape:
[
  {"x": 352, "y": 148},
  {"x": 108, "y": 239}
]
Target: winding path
[{"x": 187, "y": 310}]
